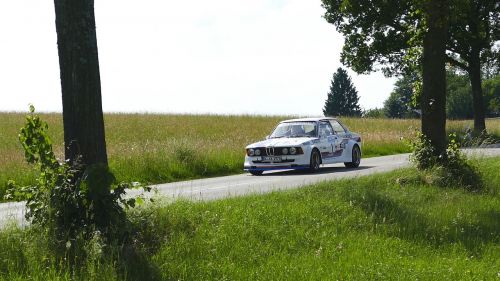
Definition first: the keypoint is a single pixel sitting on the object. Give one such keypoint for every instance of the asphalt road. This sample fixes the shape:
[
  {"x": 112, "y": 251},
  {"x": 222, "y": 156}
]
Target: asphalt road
[{"x": 238, "y": 185}]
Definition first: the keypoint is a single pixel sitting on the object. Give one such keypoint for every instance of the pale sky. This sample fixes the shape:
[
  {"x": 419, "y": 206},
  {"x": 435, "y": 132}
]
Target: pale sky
[{"x": 223, "y": 56}]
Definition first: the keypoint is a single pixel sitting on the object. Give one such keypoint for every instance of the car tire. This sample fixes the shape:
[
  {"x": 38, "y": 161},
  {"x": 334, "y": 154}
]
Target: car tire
[
  {"x": 356, "y": 158},
  {"x": 256, "y": 173},
  {"x": 315, "y": 161}
]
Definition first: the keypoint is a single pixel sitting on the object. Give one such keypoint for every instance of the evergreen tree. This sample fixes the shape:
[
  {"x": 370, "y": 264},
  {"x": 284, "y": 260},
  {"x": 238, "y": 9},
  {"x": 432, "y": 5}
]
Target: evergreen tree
[{"x": 343, "y": 98}]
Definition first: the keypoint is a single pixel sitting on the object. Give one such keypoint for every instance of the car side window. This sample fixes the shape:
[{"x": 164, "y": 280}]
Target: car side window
[
  {"x": 325, "y": 129},
  {"x": 337, "y": 127}
]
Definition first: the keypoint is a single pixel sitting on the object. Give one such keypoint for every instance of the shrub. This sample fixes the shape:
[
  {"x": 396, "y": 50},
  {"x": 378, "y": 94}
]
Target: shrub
[
  {"x": 423, "y": 154},
  {"x": 450, "y": 169}
]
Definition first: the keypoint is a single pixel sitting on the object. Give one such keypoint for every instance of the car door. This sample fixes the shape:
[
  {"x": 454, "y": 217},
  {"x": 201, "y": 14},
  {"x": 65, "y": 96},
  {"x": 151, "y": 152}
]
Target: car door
[
  {"x": 341, "y": 141},
  {"x": 326, "y": 142}
]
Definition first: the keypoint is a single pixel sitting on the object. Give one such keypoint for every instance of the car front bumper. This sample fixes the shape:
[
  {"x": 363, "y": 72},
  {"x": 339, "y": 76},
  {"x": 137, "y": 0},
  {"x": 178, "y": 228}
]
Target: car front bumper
[{"x": 290, "y": 162}]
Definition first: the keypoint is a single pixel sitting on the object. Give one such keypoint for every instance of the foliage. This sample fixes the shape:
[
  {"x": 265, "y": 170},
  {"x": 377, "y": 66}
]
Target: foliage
[
  {"x": 422, "y": 152},
  {"x": 458, "y": 96},
  {"x": 343, "y": 98},
  {"x": 450, "y": 169},
  {"x": 491, "y": 63},
  {"x": 389, "y": 33},
  {"x": 491, "y": 90},
  {"x": 474, "y": 29},
  {"x": 375, "y": 32},
  {"x": 69, "y": 201},
  {"x": 395, "y": 106},
  {"x": 374, "y": 113},
  {"x": 400, "y": 102}
]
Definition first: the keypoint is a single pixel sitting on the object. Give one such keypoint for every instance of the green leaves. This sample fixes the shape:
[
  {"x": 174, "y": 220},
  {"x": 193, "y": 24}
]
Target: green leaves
[
  {"x": 36, "y": 142},
  {"x": 377, "y": 33}
]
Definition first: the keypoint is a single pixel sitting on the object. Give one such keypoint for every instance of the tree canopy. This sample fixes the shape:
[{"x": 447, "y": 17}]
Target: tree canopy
[{"x": 376, "y": 32}]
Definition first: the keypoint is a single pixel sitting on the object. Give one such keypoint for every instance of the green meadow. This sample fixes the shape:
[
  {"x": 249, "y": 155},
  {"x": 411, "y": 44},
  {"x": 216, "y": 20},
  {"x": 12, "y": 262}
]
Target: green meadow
[
  {"x": 158, "y": 148},
  {"x": 370, "y": 228}
]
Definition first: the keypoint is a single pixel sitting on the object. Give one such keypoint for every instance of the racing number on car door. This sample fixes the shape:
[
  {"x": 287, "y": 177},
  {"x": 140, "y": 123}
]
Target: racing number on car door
[{"x": 342, "y": 139}]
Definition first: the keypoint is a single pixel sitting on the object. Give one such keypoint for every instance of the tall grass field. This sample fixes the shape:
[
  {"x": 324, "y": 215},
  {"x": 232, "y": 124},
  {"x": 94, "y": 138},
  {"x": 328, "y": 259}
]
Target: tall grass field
[
  {"x": 154, "y": 148},
  {"x": 370, "y": 228}
]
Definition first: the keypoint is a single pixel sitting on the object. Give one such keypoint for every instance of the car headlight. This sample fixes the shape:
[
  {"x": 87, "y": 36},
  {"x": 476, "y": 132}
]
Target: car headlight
[
  {"x": 251, "y": 152},
  {"x": 293, "y": 150},
  {"x": 257, "y": 152},
  {"x": 284, "y": 151}
]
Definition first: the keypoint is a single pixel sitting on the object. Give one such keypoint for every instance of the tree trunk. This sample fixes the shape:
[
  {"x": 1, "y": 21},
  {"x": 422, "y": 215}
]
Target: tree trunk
[
  {"x": 433, "y": 99},
  {"x": 477, "y": 92},
  {"x": 80, "y": 81}
]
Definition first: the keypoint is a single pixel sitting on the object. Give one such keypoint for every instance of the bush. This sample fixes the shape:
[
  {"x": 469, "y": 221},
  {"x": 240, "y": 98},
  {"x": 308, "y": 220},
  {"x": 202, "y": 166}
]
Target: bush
[
  {"x": 468, "y": 138},
  {"x": 374, "y": 113},
  {"x": 450, "y": 169}
]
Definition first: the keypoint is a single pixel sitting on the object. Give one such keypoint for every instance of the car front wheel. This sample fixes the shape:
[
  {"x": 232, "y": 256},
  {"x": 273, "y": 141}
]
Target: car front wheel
[
  {"x": 315, "y": 161},
  {"x": 356, "y": 158}
]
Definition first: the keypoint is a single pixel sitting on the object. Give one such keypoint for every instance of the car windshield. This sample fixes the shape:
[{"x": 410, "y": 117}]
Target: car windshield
[{"x": 295, "y": 130}]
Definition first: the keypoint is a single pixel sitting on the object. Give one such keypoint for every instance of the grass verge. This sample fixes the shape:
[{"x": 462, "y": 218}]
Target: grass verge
[{"x": 375, "y": 227}]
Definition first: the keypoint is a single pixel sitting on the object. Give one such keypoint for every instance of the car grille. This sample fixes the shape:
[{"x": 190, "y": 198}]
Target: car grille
[{"x": 276, "y": 151}]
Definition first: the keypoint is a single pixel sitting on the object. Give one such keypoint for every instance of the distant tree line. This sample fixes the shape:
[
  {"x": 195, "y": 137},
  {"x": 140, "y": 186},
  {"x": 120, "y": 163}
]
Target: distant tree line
[{"x": 403, "y": 100}]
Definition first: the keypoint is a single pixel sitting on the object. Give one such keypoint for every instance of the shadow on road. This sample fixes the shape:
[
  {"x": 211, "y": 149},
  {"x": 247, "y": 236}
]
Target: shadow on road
[{"x": 323, "y": 170}]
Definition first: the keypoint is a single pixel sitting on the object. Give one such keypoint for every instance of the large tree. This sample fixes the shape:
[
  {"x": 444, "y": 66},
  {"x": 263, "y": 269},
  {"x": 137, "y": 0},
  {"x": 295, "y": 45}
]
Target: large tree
[
  {"x": 342, "y": 100},
  {"x": 80, "y": 81},
  {"x": 474, "y": 29},
  {"x": 391, "y": 33}
]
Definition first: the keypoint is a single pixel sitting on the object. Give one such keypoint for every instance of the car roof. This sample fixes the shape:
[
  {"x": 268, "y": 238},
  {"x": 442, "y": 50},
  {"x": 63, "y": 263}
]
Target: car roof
[{"x": 310, "y": 119}]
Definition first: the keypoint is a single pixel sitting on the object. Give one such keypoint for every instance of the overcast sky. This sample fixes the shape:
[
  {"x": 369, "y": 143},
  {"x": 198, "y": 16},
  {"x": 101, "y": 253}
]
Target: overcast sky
[{"x": 221, "y": 56}]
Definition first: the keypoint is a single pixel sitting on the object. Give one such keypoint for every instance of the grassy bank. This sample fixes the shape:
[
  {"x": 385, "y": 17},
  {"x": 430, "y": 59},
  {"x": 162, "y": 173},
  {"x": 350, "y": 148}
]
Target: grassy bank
[
  {"x": 371, "y": 228},
  {"x": 162, "y": 148}
]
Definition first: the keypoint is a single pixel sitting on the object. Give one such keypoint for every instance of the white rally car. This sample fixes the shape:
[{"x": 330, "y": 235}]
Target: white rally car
[{"x": 304, "y": 144}]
